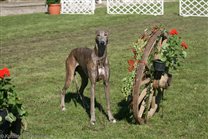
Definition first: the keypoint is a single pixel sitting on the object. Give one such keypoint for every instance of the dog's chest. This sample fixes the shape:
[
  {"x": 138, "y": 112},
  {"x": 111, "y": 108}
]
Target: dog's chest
[{"x": 101, "y": 71}]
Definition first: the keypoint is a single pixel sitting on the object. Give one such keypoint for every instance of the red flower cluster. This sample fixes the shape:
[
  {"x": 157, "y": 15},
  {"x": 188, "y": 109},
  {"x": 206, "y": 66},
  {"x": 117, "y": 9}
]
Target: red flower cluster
[
  {"x": 173, "y": 32},
  {"x": 131, "y": 65},
  {"x": 4, "y": 72},
  {"x": 132, "y": 62},
  {"x": 184, "y": 45}
]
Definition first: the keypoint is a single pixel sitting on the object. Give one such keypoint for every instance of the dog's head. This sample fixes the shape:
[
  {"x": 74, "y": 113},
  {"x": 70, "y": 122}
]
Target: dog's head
[{"x": 101, "y": 40}]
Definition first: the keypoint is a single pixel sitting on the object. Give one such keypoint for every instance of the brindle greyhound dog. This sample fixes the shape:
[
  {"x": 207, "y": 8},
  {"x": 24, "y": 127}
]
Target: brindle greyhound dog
[{"x": 91, "y": 64}]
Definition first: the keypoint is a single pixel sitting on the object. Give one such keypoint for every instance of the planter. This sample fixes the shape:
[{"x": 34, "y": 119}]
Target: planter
[
  {"x": 4, "y": 125},
  {"x": 159, "y": 65},
  {"x": 12, "y": 130},
  {"x": 54, "y": 9},
  {"x": 15, "y": 128},
  {"x": 159, "y": 68}
]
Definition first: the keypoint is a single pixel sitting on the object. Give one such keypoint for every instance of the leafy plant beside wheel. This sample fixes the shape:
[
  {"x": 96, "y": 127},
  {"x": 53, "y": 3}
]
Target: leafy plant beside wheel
[
  {"x": 12, "y": 112},
  {"x": 54, "y": 7}
]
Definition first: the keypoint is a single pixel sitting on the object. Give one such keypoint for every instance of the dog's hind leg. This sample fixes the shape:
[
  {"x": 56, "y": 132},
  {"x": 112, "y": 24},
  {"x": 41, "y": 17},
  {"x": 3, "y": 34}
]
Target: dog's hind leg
[
  {"x": 84, "y": 83},
  {"x": 70, "y": 69}
]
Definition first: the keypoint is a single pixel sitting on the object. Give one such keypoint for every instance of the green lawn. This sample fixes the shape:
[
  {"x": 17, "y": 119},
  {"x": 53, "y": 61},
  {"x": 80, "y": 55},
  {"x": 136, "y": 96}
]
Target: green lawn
[{"x": 34, "y": 47}]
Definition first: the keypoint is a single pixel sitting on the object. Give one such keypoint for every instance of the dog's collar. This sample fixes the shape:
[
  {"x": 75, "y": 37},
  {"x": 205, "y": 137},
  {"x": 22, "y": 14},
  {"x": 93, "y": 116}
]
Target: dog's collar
[
  {"x": 96, "y": 58},
  {"x": 100, "y": 58}
]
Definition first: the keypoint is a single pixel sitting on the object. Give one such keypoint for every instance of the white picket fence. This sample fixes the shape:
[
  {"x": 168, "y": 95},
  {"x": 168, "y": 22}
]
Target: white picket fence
[
  {"x": 193, "y": 8},
  {"x": 148, "y": 7},
  {"x": 77, "y": 6}
]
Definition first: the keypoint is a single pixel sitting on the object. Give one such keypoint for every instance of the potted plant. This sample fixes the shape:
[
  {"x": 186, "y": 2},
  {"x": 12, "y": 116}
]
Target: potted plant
[
  {"x": 170, "y": 55},
  {"x": 54, "y": 7},
  {"x": 12, "y": 112}
]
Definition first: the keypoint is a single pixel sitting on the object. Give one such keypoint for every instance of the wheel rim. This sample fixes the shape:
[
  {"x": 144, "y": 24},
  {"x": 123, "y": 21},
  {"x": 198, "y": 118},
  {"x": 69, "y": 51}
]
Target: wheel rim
[{"x": 139, "y": 91}]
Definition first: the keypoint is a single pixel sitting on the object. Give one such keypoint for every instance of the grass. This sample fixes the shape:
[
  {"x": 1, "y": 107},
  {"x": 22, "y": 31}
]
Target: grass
[{"x": 35, "y": 47}]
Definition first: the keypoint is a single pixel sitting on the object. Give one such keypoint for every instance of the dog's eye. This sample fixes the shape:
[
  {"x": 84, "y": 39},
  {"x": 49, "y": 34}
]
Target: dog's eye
[
  {"x": 98, "y": 35},
  {"x": 106, "y": 34}
]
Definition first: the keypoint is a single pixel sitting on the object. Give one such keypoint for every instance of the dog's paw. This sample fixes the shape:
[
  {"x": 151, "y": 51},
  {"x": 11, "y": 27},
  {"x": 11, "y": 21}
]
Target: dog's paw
[
  {"x": 92, "y": 122},
  {"x": 113, "y": 120},
  {"x": 63, "y": 108}
]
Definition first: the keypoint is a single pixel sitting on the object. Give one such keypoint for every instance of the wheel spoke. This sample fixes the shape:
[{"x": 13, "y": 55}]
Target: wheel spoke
[
  {"x": 141, "y": 110},
  {"x": 150, "y": 99},
  {"x": 141, "y": 96},
  {"x": 152, "y": 111},
  {"x": 145, "y": 81},
  {"x": 153, "y": 102}
]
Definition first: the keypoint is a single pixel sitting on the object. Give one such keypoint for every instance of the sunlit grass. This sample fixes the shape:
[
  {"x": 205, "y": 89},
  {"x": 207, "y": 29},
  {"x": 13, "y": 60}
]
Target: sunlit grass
[{"x": 35, "y": 46}]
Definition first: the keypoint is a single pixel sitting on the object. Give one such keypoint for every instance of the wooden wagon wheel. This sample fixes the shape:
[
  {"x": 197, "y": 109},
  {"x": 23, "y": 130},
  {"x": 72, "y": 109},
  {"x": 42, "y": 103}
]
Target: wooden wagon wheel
[{"x": 144, "y": 96}]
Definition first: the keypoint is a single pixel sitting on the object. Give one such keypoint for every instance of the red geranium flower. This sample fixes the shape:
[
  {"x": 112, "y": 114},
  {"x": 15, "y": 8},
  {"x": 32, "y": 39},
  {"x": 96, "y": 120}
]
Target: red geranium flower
[
  {"x": 173, "y": 32},
  {"x": 184, "y": 45},
  {"x": 131, "y": 65},
  {"x": 4, "y": 72}
]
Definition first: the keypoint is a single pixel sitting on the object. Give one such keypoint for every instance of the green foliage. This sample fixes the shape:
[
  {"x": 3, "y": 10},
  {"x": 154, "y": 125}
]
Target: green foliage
[
  {"x": 10, "y": 117},
  {"x": 127, "y": 82},
  {"x": 172, "y": 53},
  {"x": 52, "y": 1},
  {"x": 10, "y": 101}
]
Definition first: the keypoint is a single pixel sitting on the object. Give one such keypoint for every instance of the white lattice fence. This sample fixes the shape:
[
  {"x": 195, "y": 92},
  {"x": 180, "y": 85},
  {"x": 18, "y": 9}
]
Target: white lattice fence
[
  {"x": 149, "y": 7},
  {"x": 194, "y": 8},
  {"x": 77, "y": 6}
]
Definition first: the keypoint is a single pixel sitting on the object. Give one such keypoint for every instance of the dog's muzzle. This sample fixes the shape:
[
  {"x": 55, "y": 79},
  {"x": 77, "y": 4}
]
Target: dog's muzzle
[
  {"x": 102, "y": 43},
  {"x": 101, "y": 50},
  {"x": 101, "y": 47}
]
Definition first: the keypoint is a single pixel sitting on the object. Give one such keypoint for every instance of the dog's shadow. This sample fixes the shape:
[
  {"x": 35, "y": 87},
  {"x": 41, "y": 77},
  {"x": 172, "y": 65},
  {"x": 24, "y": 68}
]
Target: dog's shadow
[
  {"x": 125, "y": 109},
  {"x": 76, "y": 99},
  {"x": 124, "y": 112}
]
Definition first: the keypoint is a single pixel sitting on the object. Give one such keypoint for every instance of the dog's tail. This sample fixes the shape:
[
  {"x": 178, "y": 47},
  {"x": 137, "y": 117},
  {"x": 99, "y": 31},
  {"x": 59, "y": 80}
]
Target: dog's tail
[{"x": 71, "y": 65}]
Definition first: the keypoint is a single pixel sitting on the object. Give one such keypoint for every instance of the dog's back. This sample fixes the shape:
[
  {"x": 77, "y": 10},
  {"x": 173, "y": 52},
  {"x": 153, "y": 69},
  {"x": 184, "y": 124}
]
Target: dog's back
[{"x": 83, "y": 56}]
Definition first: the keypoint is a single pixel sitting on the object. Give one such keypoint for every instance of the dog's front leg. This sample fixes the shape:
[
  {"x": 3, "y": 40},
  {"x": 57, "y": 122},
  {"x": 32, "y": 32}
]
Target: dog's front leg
[
  {"x": 107, "y": 95},
  {"x": 92, "y": 97},
  {"x": 92, "y": 104}
]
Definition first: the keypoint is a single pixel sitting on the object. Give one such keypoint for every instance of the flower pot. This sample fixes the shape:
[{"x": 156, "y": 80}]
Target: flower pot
[
  {"x": 159, "y": 68},
  {"x": 54, "y": 9},
  {"x": 159, "y": 65},
  {"x": 4, "y": 125},
  {"x": 13, "y": 129},
  {"x": 16, "y": 128}
]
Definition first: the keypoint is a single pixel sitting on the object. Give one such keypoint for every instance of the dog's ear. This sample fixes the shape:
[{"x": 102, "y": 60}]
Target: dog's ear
[
  {"x": 97, "y": 32},
  {"x": 106, "y": 33}
]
